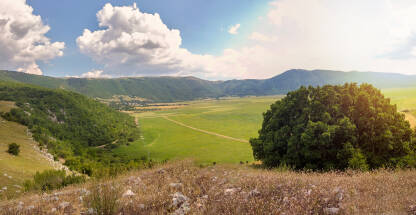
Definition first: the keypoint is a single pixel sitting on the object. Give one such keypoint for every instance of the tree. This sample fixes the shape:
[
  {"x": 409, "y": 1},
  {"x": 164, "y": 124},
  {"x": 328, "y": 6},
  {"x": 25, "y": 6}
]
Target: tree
[
  {"x": 335, "y": 127},
  {"x": 14, "y": 149}
]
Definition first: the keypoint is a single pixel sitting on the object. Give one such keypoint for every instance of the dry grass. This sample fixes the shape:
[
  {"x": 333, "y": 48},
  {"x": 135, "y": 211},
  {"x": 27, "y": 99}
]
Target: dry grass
[{"x": 237, "y": 189}]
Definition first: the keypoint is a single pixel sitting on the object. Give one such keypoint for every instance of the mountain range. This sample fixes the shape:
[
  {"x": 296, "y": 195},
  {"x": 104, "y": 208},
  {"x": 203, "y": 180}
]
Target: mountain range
[{"x": 170, "y": 89}]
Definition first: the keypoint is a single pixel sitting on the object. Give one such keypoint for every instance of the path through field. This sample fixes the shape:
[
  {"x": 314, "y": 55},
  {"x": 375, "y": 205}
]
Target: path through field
[{"x": 204, "y": 131}]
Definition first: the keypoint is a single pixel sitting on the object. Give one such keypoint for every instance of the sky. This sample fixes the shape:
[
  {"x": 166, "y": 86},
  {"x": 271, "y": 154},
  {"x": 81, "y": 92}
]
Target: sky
[{"x": 215, "y": 40}]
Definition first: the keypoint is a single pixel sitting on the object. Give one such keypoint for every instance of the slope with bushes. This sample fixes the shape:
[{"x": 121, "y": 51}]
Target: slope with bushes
[
  {"x": 15, "y": 169},
  {"x": 78, "y": 130}
]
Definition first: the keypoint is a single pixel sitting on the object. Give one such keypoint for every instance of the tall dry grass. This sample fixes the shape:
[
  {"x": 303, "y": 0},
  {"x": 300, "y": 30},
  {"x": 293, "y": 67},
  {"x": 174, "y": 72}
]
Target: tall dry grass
[{"x": 223, "y": 189}]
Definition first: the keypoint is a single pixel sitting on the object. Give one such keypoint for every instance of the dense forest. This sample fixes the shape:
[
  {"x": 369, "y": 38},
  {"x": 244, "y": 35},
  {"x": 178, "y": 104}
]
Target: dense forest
[
  {"x": 335, "y": 127},
  {"x": 170, "y": 89},
  {"x": 73, "y": 127}
]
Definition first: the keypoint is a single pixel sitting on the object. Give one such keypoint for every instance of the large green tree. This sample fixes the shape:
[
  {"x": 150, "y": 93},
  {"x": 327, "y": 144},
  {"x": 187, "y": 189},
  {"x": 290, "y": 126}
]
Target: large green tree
[{"x": 335, "y": 127}]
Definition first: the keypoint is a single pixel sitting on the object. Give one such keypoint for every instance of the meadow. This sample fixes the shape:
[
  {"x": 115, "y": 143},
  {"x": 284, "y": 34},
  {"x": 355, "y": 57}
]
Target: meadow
[
  {"x": 405, "y": 99},
  {"x": 190, "y": 131},
  {"x": 206, "y": 131},
  {"x": 15, "y": 169}
]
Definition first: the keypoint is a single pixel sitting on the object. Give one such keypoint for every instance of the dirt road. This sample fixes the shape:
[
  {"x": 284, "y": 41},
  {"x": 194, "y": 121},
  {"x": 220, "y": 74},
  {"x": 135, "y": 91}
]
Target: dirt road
[{"x": 206, "y": 132}]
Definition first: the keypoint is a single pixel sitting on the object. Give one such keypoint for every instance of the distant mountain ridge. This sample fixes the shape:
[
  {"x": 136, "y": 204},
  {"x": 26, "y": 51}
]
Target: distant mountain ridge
[{"x": 169, "y": 89}]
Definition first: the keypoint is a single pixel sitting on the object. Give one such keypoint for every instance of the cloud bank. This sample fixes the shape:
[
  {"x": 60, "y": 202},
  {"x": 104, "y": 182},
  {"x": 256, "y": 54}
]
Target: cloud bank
[
  {"x": 370, "y": 35},
  {"x": 22, "y": 38}
]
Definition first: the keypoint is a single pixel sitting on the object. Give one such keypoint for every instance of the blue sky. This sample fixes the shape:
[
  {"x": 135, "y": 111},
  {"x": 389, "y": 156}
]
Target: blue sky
[
  {"x": 203, "y": 25},
  {"x": 210, "y": 39}
]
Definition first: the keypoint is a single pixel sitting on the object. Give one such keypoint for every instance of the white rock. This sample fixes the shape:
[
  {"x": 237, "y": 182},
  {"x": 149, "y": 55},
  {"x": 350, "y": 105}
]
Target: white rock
[
  {"x": 178, "y": 199},
  {"x": 128, "y": 193},
  {"x": 286, "y": 199},
  {"x": 84, "y": 191},
  {"x": 90, "y": 211},
  {"x": 183, "y": 209},
  {"x": 254, "y": 192},
  {"x": 176, "y": 185},
  {"x": 141, "y": 206},
  {"x": 53, "y": 210},
  {"x": 31, "y": 207},
  {"x": 230, "y": 191},
  {"x": 331, "y": 210},
  {"x": 4, "y": 188},
  {"x": 63, "y": 205}
]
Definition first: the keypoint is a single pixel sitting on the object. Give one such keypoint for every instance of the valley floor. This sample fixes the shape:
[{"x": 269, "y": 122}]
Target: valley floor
[{"x": 183, "y": 187}]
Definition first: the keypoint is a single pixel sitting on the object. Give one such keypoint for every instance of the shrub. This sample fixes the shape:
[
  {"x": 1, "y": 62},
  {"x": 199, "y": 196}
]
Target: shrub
[
  {"x": 104, "y": 199},
  {"x": 52, "y": 179},
  {"x": 14, "y": 149},
  {"x": 334, "y": 127}
]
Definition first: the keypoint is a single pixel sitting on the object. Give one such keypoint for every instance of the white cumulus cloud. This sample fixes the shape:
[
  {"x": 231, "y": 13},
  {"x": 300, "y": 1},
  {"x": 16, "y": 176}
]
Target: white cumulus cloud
[
  {"x": 134, "y": 43},
  {"x": 22, "y": 38},
  {"x": 94, "y": 74},
  {"x": 370, "y": 35},
  {"x": 234, "y": 29}
]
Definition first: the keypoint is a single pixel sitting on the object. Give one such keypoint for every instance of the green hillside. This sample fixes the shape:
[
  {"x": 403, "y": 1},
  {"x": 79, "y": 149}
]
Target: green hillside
[
  {"x": 170, "y": 89},
  {"x": 74, "y": 128},
  {"x": 15, "y": 169}
]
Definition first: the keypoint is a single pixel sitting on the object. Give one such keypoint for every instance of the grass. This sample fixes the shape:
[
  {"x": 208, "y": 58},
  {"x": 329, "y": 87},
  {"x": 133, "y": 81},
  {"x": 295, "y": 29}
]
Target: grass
[
  {"x": 405, "y": 99},
  {"x": 233, "y": 189},
  {"x": 237, "y": 118},
  {"x": 20, "y": 167},
  {"x": 166, "y": 140}
]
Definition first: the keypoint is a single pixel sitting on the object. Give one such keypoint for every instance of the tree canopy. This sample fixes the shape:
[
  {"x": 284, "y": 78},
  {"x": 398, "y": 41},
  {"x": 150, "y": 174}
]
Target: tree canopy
[{"x": 335, "y": 127}]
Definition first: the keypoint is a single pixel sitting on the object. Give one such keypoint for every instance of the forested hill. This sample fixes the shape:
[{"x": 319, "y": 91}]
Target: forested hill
[
  {"x": 168, "y": 89},
  {"x": 73, "y": 127}
]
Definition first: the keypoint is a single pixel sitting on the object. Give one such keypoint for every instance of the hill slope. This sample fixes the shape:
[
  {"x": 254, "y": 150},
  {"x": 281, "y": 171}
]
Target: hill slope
[
  {"x": 168, "y": 89},
  {"x": 73, "y": 127},
  {"x": 15, "y": 169}
]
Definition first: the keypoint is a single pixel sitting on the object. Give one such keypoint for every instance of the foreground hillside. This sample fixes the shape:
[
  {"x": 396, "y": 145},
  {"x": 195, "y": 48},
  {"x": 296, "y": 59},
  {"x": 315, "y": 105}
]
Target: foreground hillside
[
  {"x": 182, "y": 187},
  {"x": 169, "y": 89}
]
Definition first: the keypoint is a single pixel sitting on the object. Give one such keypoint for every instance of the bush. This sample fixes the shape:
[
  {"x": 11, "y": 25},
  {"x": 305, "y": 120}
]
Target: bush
[
  {"x": 335, "y": 127},
  {"x": 104, "y": 199},
  {"x": 14, "y": 149},
  {"x": 52, "y": 179}
]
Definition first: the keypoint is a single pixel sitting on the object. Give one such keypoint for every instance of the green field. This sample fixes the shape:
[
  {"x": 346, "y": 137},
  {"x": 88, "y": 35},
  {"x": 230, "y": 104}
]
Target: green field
[
  {"x": 237, "y": 119},
  {"x": 405, "y": 98},
  {"x": 15, "y": 169},
  {"x": 166, "y": 137}
]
